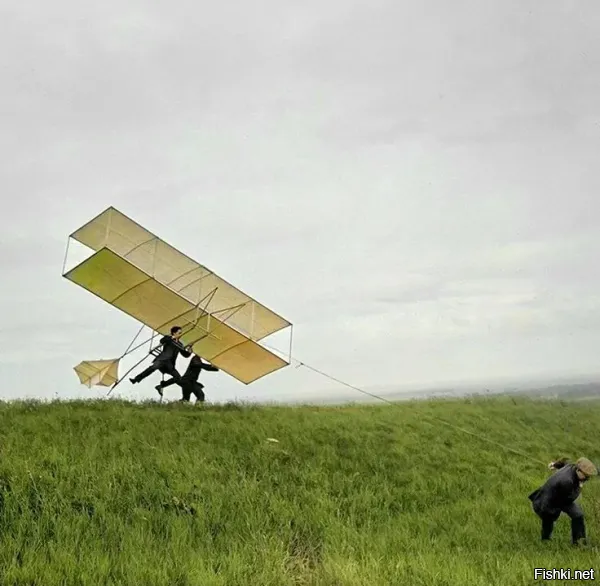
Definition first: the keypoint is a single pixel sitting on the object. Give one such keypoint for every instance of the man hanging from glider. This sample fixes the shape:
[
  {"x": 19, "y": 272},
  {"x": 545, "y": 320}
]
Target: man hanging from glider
[
  {"x": 189, "y": 381},
  {"x": 166, "y": 360},
  {"x": 558, "y": 495}
]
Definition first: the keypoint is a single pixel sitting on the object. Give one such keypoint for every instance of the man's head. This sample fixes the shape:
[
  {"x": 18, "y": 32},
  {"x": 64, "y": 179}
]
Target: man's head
[
  {"x": 176, "y": 332},
  {"x": 585, "y": 469}
]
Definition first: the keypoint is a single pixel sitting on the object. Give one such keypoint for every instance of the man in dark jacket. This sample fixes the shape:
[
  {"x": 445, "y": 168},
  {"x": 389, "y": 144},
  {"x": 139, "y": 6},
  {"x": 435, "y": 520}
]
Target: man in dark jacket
[
  {"x": 558, "y": 495},
  {"x": 166, "y": 360},
  {"x": 189, "y": 381}
]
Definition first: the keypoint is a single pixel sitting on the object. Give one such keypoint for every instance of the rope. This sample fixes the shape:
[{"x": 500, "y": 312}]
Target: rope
[
  {"x": 378, "y": 397},
  {"x": 435, "y": 418}
]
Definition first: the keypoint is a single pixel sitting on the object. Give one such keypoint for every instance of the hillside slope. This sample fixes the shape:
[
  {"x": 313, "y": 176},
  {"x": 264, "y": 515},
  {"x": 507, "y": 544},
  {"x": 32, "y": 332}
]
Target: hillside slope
[{"x": 95, "y": 493}]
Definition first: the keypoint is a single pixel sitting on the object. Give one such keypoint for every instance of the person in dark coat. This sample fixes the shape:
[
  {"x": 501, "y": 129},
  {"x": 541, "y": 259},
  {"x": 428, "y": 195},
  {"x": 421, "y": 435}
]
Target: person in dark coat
[
  {"x": 189, "y": 381},
  {"x": 558, "y": 495},
  {"x": 165, "y": 362}
]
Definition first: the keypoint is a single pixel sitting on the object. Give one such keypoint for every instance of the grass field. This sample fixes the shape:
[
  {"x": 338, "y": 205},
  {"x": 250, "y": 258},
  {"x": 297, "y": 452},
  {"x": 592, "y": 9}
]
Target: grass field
[{"x": 95, "y": 493}]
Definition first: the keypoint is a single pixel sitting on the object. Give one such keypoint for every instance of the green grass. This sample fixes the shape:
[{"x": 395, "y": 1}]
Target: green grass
[{"x": 95, "y": 493}]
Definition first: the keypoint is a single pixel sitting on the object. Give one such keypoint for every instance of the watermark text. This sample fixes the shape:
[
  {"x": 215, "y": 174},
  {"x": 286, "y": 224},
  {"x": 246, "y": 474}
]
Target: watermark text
[{"x": 563, "y": 574}]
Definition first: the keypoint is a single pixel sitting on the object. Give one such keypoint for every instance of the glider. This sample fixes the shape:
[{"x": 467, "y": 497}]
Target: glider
[{"x": 148, "y": 279}]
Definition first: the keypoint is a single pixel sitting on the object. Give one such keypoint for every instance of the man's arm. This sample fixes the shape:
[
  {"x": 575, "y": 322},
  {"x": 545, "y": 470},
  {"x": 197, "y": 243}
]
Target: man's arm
[
  {"x": 558, "y": 464},
  {"x": 207, "y": 365},
  {"x": 177, "y": 343},
  {"x": 164, "y": 342},
  {"x": 169, "y": 341}
]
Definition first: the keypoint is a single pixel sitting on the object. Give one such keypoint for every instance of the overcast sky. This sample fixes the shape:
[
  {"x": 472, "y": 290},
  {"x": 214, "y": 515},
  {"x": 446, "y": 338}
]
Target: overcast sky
[{"x": 413, "y": 184}]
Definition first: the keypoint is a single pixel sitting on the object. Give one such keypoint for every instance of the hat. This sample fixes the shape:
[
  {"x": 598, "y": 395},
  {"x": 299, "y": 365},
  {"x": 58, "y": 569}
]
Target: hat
[{"x": 586, "y": 467}]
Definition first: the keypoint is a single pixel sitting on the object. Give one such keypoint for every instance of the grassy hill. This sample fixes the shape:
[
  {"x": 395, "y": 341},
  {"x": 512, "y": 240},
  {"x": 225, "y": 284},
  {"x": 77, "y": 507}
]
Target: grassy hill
[{"x": 108, "y": 492}]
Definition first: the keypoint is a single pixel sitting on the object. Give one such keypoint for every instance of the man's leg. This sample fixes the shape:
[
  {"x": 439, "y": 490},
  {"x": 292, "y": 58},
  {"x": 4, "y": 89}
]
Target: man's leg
[
  {"x": 186, "y": 390},
  {"x": 577, "y": 522},
  {"x": 547, "y": 520},
  {"x": 168, "y": 383},
  {"x": 197, "y": 390},
  {"x": 144, "y": 374},
  {"x": 547, "y": 527},
  {"x": 175, "y": 378}
]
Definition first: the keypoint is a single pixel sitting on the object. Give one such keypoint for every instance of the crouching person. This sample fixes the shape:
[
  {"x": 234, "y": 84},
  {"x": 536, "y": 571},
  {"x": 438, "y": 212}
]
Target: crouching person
[{"x": 558, "y": 495}]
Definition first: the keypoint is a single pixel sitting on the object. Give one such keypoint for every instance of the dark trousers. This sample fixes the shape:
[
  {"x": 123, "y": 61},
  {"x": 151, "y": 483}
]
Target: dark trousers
[
  {"x": 577, "y": 522},
  {"x": 193, "y": 387},
  {"x": 187, "y": 387},
  {"x": 161, "y": 367}
]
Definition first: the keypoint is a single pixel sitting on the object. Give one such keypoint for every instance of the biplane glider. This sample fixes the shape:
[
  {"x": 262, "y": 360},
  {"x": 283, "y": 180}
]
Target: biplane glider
[{"x": 137, "y": 272}]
